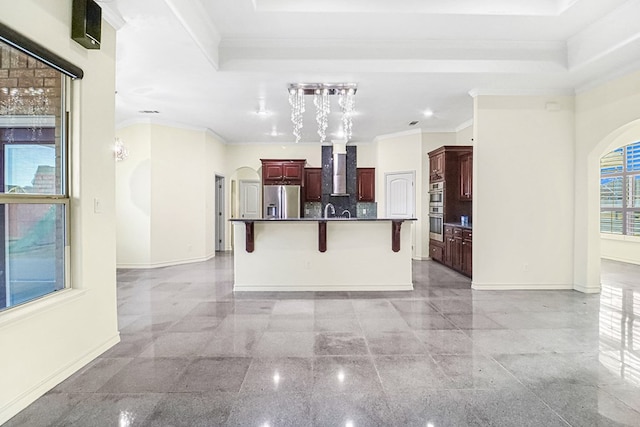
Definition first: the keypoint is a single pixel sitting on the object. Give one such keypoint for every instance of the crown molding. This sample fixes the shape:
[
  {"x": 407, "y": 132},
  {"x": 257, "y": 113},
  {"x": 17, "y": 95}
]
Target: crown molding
[
  {"x": 417, "y": 131},
  {"x": 111, "y": 14},
  {"x": 460, "y": 7},
  {"x": 604, "y": 79},
  {"x": 474, "y": 93},
  {"x": 464, "y": 125},
  {"x": 168, "y": 123}
]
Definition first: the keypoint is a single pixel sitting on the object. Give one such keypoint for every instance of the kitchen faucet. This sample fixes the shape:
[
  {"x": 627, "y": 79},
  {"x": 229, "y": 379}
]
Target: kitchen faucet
[
  {"x": 326, "y": 208},
  {"x": 346, "y": 212}
]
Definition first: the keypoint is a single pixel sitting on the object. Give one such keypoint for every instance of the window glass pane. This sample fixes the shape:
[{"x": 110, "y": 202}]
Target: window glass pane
[
  {"x": 32, "y": 162},
  {"x": 31, "y": 115},
  {"x": 32, "y": 261},
  {"x": 633, "y": 157},
  {"x": 611, "y": 192},
  {"x": 611, "y": 222},
  {"x": 634, "y": 199},
  {"x": 633, "y": 223},
  {"x": 612, "y": 163},
  {"x": 30, "y": 168}
]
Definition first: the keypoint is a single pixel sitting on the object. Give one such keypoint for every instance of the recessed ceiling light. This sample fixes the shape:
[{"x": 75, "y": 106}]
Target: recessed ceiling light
[
  {"x": 428, "y": 113},
  {"x": 262, "y": 110}
]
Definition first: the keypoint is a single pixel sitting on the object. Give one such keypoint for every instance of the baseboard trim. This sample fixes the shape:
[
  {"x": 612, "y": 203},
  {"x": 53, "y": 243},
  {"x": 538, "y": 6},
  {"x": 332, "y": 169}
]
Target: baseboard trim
[
  {"x": 521, "y": 286},
  {"x": 626, "y": 261},
  {"x": 322, "y": 288},
  {"x": 25, "y": 399},
  {"x": 587, "y": 289},
  {"x": 167, "y": 263}
]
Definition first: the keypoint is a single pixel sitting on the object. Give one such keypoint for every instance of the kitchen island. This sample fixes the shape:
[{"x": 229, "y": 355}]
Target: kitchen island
[{"x": 322, "y": 254}]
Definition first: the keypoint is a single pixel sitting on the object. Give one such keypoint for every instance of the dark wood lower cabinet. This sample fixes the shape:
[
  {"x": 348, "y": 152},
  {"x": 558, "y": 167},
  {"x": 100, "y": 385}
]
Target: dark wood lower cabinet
[
  {"x": 456, "y": 250},
  {"x": 436, "y": 250},
  {"x": 467, "y": 252}
]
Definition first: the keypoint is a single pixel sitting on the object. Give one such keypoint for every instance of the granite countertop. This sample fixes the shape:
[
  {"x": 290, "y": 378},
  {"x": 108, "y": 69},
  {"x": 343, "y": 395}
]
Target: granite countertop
[
  {"x": 321, "y": 219},
  {"x": 459, "y": 225}
]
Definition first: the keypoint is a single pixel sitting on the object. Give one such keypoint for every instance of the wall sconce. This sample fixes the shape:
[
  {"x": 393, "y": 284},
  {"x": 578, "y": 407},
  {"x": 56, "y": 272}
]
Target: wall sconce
[{"x": 120, "y": 151}]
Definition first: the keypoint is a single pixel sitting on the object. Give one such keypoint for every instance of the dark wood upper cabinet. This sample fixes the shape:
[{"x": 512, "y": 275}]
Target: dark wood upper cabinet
[
  {"x": 453, "y": 165},
  {"x": 466, "y": 176},
  {"x": 272, "y": 171},
  {"x": 436, "y": 166},
  {"x": 279, "y": 171},
  {"x": 313, "y": 184},
  {"x": 366, "y": 184},
  {"x": 292, "y": 171}
]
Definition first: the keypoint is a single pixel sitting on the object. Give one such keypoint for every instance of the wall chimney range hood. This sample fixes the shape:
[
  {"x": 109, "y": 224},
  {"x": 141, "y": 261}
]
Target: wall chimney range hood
[{"x": 339, "y": 168}]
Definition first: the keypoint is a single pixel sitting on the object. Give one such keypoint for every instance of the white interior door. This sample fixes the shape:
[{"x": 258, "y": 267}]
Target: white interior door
[
  {"x": 400, "y": 194},
  {"x": 250, "y": 207}
]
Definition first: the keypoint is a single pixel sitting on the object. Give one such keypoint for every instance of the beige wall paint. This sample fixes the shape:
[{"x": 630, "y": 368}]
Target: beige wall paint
[
  {"x": 133, "y": 198},
  {"x": 621, "y": 248},
  {"x": 606, "y": 117},
  {"x": 249, "y": 155},
  {"x": 402, "y": 153},
  {"x": 45, "y": 341},
  {"x": 180, "y": 186},
  {"x": 465, "y": 136},
  {"x": 523, "y": 193},
  {"x": 177, "y": 195},
  {"x": 215, "y": 164}
]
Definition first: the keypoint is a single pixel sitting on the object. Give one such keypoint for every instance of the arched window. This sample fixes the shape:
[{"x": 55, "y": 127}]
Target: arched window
[{"x": 620, "y": 191}]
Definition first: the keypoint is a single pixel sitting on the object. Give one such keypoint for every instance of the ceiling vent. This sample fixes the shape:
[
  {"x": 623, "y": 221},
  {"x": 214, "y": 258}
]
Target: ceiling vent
[
  {"x": 413, "y": 123},
  {"x": 149, "y": 111}
]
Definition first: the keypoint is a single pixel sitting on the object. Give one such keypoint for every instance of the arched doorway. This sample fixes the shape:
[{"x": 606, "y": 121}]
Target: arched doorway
[{"x": 624, "y": 135}]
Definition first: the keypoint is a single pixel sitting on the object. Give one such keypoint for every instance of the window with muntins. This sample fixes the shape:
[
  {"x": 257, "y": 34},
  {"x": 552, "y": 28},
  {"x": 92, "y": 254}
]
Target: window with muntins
[
  {"x": 620, "y": 191},
  {"x": 33, "y": 190}
]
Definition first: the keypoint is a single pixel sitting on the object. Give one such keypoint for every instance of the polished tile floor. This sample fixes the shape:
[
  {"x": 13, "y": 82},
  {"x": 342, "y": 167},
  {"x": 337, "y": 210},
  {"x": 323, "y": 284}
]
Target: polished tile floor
[{"x": 195, "y": 354}]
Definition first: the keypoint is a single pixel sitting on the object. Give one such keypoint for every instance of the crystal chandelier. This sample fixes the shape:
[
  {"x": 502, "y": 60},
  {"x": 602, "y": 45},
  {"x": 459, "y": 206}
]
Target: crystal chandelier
[
  {"x": 120, "y": 151},
  {"x": 321, "y": 92}
]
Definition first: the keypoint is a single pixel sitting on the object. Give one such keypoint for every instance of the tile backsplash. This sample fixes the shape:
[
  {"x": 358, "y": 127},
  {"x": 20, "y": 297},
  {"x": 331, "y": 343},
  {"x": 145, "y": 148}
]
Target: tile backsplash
[
  {"x": 313, "y": 210},
  {"x": 367, "y": 210}
]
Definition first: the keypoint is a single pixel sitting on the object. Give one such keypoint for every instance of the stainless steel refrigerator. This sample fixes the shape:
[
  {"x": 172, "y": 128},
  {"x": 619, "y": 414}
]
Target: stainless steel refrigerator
[{"x": 281, "y": 201}]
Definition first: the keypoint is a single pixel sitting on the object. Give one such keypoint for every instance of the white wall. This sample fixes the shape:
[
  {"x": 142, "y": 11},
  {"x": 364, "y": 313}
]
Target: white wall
[
  {"x": 403, "y": 153},
  {"x": 367, "y": 155},
  {"x": 249, "y": 155},
  {"x": 523, "y": 193},
  {"x": 177, "y": 195},
  {"x": 621, "y": 248},
  {"x": 45, "y": 341},
  {"x": 465, "y": 136},
  {"x": 606, "y": 117},
  {"x": 133, "y": 198},
  {"x": 180, "y": 192},
  {"x": 215, "y": 164}
]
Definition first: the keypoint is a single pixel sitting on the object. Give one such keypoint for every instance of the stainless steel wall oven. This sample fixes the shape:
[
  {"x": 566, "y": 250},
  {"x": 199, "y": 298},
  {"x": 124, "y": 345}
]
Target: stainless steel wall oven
[{"x": 436, "y": 211}]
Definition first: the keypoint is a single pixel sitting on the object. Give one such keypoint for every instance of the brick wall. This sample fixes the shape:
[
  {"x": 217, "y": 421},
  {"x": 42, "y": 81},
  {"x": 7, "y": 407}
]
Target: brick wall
[{"x": 27, "y": 88}]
